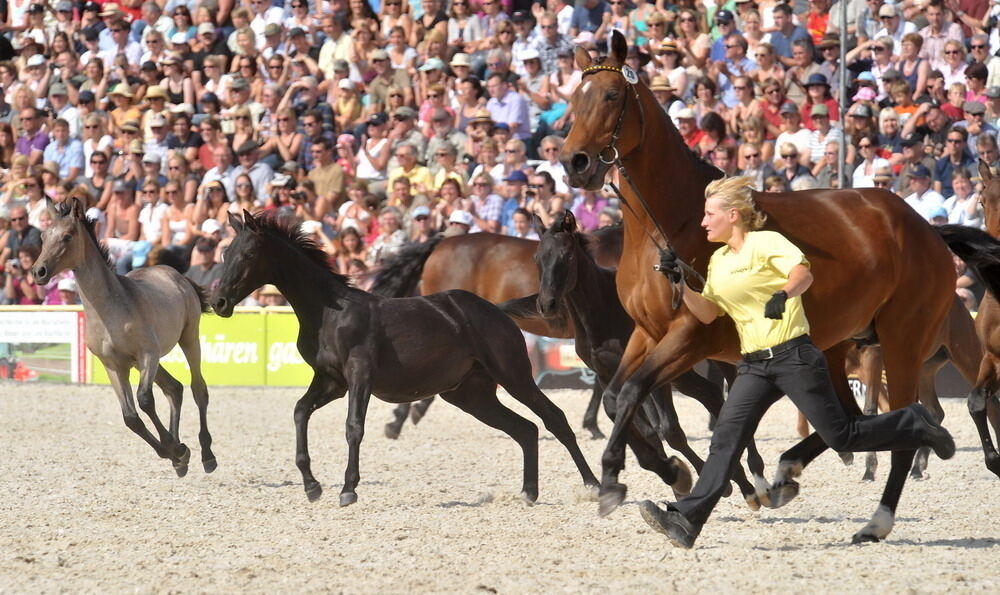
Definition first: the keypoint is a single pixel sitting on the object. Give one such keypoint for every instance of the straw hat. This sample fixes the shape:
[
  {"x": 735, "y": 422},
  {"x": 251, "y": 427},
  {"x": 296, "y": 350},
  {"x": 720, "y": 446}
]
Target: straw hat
[
  {"x": 481, "y": 116},
  {"x": 269, "y": 290},
  {"x": 122, "y": 89},
  {"x": 660, "y": 83}
]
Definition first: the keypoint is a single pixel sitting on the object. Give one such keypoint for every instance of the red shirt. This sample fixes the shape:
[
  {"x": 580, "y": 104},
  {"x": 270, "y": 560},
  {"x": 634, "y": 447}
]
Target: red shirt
[
  {"x": 694, "y": 138},
  {"x": 806, "y": 111},
  {"x": 816, "y": 25}
]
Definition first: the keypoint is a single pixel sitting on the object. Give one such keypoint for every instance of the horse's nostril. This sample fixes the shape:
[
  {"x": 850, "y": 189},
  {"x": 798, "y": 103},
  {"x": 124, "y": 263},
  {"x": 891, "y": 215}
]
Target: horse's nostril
[
  {"x": 40, "y": 272},
  {"x": 220, "y": 303},
  {"x": 580, "y": 162}
]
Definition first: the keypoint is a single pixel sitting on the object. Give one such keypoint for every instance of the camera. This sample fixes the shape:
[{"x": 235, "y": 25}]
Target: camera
[
  {"x": 14, "y": 263},
  {"x": 298, "y": 196}
]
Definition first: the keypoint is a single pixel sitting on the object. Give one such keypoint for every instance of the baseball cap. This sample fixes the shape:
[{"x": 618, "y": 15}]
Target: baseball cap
[
  {"x": 432, "y": 64},
  {"x": 35, "y": 60},
  {"x": 206, "y": 28},
  {"x": 819, "y": 109},
  {"x": 157, "y": 121},
  {"x": 516, "y": 176},
  {"x": 530, "y": 54},
  {"x": 178, "y": 38},
  {"x": 460, "y": 59},
  {"x": 887, "y": 10},
  {"x": 420, "y": 211},
  {"x": 151, "y": 158},
  {"x": 910, "y": 141},
  {"x": 937, "y": 211},
  {"x": 272, "y": 29},
  {"x": 724, "y": 16},
  {"x": 974, "y": 107},
  {"x": 380, "y": 55},
  {"x": 460, "y": 216},
  {"x": 404, "y": 112},
  {"x": 788, "y": 108},
  {"x": 920, "y": 171},
  {"x": 861, "y": 110},
  {"x": 685, "y": 114},
  {"x": 66, "y": 285}
]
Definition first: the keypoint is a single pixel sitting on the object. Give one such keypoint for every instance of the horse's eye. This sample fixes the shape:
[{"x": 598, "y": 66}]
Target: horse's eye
[
  {"x": 611, "y": 95},
  {"x": 67, "y": 237}
]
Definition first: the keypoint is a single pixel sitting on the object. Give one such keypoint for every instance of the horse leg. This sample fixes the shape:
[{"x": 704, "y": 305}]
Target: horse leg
[
  {"x": 927, "y": 394},
  {"x": 359, "y": 393},
  {"x": 590, "y": 415},
  {"x": 174, "y": 391},
  {"x": 320, "y": 392},
  {"x": 870, "y": 360},
  {"x": 670, "y": 427},
  {"x": 978, "y": 402},
  {"x": 149, "y": 365},
  {"x": 190, "y": 344},
  {"x": 123, "y": 390},
  {"x": 476, "y": 395},
  {"x": 419, "y": 409},
  {"x": 710, "y": 396},
  {"x": 399, "y": 415},
  {"x": 791, "y": 463}
]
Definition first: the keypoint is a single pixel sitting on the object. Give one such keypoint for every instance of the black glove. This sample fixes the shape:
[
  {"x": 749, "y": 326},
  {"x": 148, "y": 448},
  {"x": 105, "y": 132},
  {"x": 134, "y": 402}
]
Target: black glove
[
  {"x": 775, "y": 306},
  {"x": 669, "y": 266}
]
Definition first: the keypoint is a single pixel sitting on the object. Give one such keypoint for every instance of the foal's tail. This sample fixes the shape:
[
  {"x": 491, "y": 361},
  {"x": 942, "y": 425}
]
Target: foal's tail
[
  {"x": 979, "y": 250},
  {"x": 398, "y": 275},
  {"x": 202, "y": 295},
  {"x": 526, "y": 308}
]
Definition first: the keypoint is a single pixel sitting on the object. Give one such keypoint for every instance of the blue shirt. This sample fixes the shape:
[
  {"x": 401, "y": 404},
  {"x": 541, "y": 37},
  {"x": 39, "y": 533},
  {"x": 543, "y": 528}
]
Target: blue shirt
[
  {"x": 727, "y": 93},
  {"x": 718, "y": 51},
  {"x": 67, "y": 156},
  {"x": 782, "y": 44},
  {"x": 944, "y": 169},
  {"x": 512, "y": 109},
  {"x": 589, "y": 19}
]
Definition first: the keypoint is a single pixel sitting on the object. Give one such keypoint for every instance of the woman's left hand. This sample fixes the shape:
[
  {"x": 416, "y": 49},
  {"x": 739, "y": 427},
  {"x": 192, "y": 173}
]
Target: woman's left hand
[{"x": 775, "y": 307}]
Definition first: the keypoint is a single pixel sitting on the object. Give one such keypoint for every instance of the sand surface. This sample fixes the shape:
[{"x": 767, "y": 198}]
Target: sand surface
[{"x": 88, "y": 507}]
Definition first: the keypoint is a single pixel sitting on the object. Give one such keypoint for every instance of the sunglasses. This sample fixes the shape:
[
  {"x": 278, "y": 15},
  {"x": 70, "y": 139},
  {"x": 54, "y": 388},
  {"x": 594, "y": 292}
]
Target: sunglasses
[
  {"x": 420, "y": 218},
  {"x": 790, "y": 155},
  {"x": 98, "y": 161},
  {"x": 243, "y": 185},
  {"x": 751, "y": 155},
  {"x": 864, "y": 146},
  {"x": 955, "y": 141},
  {"x": 878, "y": 48},
  {"x": 18, "y": 218},
  {"x": 952, "y": 52},
  {"x": 978, "y": 46}
]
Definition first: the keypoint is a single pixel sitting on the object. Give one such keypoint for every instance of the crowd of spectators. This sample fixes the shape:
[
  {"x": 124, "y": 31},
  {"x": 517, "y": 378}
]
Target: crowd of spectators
[{"x": 383, "y": 122}]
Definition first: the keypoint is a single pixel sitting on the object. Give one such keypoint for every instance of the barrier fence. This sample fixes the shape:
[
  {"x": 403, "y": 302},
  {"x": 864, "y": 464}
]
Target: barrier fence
[{"x": 255, "y": 347}]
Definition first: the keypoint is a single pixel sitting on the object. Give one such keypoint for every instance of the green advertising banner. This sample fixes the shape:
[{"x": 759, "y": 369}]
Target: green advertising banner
[
  {"x": 233, "y": 352},
  {"x": 284, "y": 364}
]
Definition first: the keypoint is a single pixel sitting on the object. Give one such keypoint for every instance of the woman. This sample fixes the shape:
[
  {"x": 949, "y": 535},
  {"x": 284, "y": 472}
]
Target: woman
[
  {"x": 747, "y": 106},
  {"x": 155, "y": 47},
  {"x": 616, "y": 19},
  {"x": 768, "y": 66},
  {"x": 867, "y": 146},
  {"x": 395, "y": 15},
  {"x": 391, "y": 237},
  {"x": 176, "y": 83},
  {"x": 244, "y": 129},
  {"x": 913, "y": 68},
  {"x": 964, "y": 207},
  {"x": 450, "y": 198},
  {"x": 124, "y": 111},
  {"x": 350, "y": 246},
  {"x": 692, "y": 40},
  {"x": 20, "y": 288},
  {"x": 375, "y": 152},
  {"x": 179, "y": 171},
  {"x": 707, "y": 100},
  {"x": 178, "y": 232},
  {"x": 470, "y": 99},
  {"x": 437, "y": 95},
  {"x": 486, "y": 161},
  {"x": 209, "y": 79},
  {"x": 818, "y": 93},
  {"x": 758, "y": 278},
  {"x": 401, "y": 56},
  {"x": 7, "y": 145},
  {"x": 715, "y": 134},
  {"x": 588, "y": 212},
  {"x": 211, "y": 133},
  {"x": 285, "y": 142},
  {"x": 347, "y": 159},
  {"x": 669, "y": 57},
  {"x": 35, "y": 197},
  {"x": 954, "y": 65},
  {"x": 363, "y": 47},
  {"x": 753, "y": 32},
  {"x": 464, "y": 30},
  {"x": 182, "y": 23},
  {"x": 244, "y": 195}
]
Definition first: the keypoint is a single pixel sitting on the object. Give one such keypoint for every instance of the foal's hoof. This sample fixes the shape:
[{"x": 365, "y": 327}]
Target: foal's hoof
[
  {"x": 210, "y": 465},
  {"x": 391, "y": 431},
  {"x": 610, "y": 498},
  {"x": 313, "y": 492},
  {"x": 595, "y": 433},
  {"x": 348, "y": 498},
  {"x": 529, "y": 495},
  {"x": 753, "y": 502},
  {"x": 182, "y": 460},
  {"x": 684, "y": 482},
  {"x": 416, "y": 414},
  {"x": 862, "y": 537},
  {"x": 847, "y": 458},
  {"x": 783, "y": 493}
]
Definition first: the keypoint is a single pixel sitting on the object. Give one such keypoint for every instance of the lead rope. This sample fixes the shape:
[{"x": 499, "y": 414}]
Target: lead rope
[{"x": 677, "y": 288}]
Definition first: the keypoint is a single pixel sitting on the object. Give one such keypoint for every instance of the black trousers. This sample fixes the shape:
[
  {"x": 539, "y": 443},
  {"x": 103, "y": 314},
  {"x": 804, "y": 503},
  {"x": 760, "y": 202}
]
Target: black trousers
[{"x": 800, "y": 373}]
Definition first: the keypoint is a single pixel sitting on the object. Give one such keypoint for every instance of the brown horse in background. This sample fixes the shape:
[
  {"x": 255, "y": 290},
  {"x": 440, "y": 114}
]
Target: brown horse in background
[
  {"x": 983, "y": 401},
  {"x": 881, "y": 272}
]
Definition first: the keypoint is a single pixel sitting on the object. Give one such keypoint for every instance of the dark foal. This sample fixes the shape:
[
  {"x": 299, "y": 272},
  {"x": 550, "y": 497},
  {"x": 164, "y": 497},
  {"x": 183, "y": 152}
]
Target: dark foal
[
  {"x": 571, "y": 281},
  {"x": 401, "y": 350}
]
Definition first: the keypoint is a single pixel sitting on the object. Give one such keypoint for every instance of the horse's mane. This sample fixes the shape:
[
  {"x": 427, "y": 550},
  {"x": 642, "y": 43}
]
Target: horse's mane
[
  {"x": 289, "y": 230},
  {"x": 90, "y": 225}
]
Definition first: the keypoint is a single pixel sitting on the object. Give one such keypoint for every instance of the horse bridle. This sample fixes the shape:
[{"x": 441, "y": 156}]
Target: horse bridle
[{"x": 616, "y": 160}]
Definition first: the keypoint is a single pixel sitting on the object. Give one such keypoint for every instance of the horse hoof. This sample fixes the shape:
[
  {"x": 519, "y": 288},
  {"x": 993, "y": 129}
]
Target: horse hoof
[
  {"x": 391, "y": 432},
  {"x": 610, "y": 498},
  {"x": 530, "y": 496},
  {"x": 784, "y": 493},
  {"x": 416, "y": 415},
  {"x": 918, "y": 475},
  {"x": 182, "y": 460},
  {"x": 348, "y": 498},
  {"x": 684, "y": 482},
  {"x": 314, "y": 492},
  {"x": 595, "y": 432},
  {"x": 728, "y": 490},
  {"x": 847, "y": 458},
  {"x": 861, "y": 537},
  {"x": 753, "y": 502},
  {"x": 868, "y": 476},
  {"x": 210, "y": 465},
  {"x": 993, "y": 464}
]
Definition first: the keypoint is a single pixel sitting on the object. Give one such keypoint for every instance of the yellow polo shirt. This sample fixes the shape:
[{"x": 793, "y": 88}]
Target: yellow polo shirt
[{"x": 741, "y": 283}]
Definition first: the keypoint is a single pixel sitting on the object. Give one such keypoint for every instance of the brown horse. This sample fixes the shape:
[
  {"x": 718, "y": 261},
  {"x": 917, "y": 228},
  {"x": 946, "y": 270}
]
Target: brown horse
[
  {"x": 880, "y": 270},
  {"x": 983, "y": 401}
]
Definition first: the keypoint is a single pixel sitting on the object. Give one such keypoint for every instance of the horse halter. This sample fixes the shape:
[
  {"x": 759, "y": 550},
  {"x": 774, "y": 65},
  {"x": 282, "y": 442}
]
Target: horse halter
[{"x": 632, "y": 79}]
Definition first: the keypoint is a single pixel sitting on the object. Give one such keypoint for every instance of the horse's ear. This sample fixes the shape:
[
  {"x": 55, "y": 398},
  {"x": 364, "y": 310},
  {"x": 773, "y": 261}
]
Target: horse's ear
[
  {"x": 569, "y": 221},
  {"x": 76, "y": 208},
  {"x": 985, "y": 173},
  {"x": 236, "y": 222},
  {"x": 249, "y": 221},
  {"x": 538, "y": 224},
  {"x": 51, "y": 206},
  {"x": 619, "y": 47},
  {"x": 583, "y": 59}
]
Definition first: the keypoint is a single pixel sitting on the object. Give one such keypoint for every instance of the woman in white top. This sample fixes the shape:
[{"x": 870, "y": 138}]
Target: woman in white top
[
  {"x": 963, "y": 207},
  {"x": 864, "y": 173},
  {"x": 375, "y": 151}
]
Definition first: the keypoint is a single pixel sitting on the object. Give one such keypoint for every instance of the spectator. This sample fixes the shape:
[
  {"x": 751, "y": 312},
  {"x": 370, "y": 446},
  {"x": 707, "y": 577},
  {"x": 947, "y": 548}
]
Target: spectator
[
  {"x": 22, "y": 234},
  {"x": 786, "y": 34},
  {"x": 204, "y": 270},
  {"x": 484, "y": 207},
  {"x": 64, "y": 150},
  {"x": 869, "y": 161},
  {"x": 507, "y": 106},
  {"x": 20, "y": 287},
  {"x": 922, "y": 198},
  {"x": 33, "y": 139},
  {"x": 975, "y": 125},
  {"x": 963, "y": 207},
  {"x": 956, "y": 157}
]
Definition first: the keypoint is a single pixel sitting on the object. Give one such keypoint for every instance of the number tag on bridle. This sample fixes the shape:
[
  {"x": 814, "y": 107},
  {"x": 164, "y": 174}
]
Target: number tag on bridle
[{"x": 630, "y": 75}]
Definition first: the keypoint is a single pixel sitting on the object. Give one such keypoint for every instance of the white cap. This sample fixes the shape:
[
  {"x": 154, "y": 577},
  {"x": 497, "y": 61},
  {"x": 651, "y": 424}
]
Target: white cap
[
  {"x": 210, "y": 225},
  {"x": 346, "y": 84},
  {"x": 311, "y": 226},
  {"x": 36, "y": 60},
  {"x": 178, "y": 38},
  {"x": 66, "y": 285},
  {"x": 463, "y": 217},
  {"x": 530, "y": 54}
]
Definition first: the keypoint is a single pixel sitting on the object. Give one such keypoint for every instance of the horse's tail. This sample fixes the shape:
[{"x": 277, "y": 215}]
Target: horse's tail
[
  {"x": 979, "y": 250},
  {"x": 526, "y": 308},
  {"x": 398, "y": 275},
  {"x": 201, "y": 293}
]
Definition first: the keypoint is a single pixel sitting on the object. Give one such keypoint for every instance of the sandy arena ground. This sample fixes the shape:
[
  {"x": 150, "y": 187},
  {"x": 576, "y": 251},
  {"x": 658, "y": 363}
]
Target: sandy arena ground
[{"x": 88, "y": 507}]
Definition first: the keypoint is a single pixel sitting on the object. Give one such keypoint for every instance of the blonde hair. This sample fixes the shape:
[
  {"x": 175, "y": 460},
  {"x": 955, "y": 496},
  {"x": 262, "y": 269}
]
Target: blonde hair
[{"x": 735, "y": 193}]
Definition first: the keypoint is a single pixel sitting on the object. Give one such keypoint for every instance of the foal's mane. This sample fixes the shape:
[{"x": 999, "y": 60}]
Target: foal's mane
[
  {"x": 290, "y": 231},
  {"x": 91, "y": 226}
]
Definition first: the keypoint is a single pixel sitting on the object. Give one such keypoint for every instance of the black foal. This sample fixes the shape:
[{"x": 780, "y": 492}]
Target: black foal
[{"x": 401, "y": 350}]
